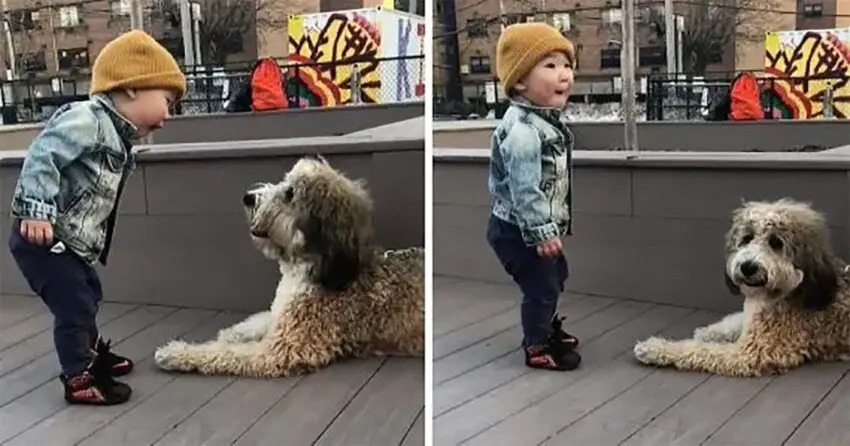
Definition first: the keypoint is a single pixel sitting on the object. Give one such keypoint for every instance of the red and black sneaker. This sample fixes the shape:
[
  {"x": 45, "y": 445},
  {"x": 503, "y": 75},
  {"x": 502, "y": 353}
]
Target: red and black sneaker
[
  {"x": 545, "y": 357},
  {"x": 90, "y": 388},
  {"x": 115, "y": 365},
  {"x": 562, "y": 336}
]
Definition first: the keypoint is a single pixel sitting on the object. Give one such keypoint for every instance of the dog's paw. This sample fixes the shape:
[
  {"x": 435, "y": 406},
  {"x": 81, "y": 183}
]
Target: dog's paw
[
  {"x": 651, "y": 351},
  {"x": 173, "y": 356},
  {"x": 705, "y": 334},
  {"x": 231, "y": 336}
]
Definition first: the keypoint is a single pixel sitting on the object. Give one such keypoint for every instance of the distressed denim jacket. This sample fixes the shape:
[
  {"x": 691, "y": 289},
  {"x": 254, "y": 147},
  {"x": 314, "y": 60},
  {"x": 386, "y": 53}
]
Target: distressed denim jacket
[
  {"x": 74, "y": 173},
  {"x": 531, "y": 171}
]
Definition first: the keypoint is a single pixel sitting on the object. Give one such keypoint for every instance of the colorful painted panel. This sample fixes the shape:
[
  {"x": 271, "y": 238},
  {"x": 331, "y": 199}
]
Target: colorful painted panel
[
  {"x": 818, "y": 59},
  {"x": 332, "y": 47}
]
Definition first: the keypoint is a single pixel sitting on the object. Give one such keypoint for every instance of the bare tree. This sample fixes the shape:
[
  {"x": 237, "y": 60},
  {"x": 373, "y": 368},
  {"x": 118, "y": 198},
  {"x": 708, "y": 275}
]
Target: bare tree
[
  {"x": 712, "y": 25},
  {"x": 225, "y": 23}
]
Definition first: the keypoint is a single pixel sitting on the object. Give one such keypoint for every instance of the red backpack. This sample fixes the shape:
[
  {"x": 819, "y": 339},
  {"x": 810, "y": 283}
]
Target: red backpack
[
  {"x": 745, "y": 94},
  {"x": 267, "y": 86}
]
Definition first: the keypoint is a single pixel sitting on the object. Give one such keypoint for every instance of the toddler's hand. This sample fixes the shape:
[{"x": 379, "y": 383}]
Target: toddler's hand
[
  {"x": 39, "y": 232},
  {"x": 550, "y": 248}
]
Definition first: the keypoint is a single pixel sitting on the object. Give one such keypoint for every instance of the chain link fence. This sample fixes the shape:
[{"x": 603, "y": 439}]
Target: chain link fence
[
  {"x": 214, "y": 89},
  {"x": 680, "y": 97}
]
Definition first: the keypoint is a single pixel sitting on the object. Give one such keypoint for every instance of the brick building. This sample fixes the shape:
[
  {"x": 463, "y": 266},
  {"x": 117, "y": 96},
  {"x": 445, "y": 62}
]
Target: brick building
[{"x": 55, "y": 38}]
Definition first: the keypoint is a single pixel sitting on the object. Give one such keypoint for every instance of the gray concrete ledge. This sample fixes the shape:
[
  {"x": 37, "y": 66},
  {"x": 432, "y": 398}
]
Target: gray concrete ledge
[
  {"x": 699, "y": 136},
  {"x": 181, "y": 238},
  {"x": 297, "y": 123},
  {"x": 649, "y": 228}
]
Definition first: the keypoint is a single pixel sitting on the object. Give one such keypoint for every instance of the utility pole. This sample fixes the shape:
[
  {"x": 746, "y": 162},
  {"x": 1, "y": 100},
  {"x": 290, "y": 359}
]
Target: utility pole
[
  {"x": 627, "y": 70},
  {"x": 137, "y": 16},
  {"x": 186, "y": 29},
  {"x": 10, "y": 43},
  {"x": 670, "y": 38}
]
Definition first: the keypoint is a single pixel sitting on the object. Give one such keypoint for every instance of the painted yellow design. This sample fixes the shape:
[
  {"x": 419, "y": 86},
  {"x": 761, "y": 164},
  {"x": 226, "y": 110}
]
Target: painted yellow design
[
  {"x": 326, "y": 54},
  {"x": 807, "y": 67}
]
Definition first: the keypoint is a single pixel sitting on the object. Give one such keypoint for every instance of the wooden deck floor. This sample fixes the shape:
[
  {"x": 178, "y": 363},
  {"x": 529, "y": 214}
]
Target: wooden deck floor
[
  {"x": 484, "y": 395},
  {"x": 368, "y": 402}
]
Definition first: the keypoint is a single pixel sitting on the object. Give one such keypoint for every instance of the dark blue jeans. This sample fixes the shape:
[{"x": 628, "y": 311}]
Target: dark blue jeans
[
  {"x": 541, "y": 279},
  {"x": 71, "y": 290}
]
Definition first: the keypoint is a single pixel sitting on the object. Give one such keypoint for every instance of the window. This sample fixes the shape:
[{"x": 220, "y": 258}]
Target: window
[
  {"x": 119, "y": 8},
  {"x": 24, "y": 20},
  {"x": 476, "y": 27},
  {"x": 32, "y": 62},
  {"x": 611, "y": 16},
  {"x": 813, "y": 9},
  {"x": 69, "y": 16},
  {"x": 652, "y": 56},
  {"x": 73, "y": 58},
  {"x": 609, "y": 58},
  {"x": 562, "y": 22},
  {"x": 479, "y": 64}
]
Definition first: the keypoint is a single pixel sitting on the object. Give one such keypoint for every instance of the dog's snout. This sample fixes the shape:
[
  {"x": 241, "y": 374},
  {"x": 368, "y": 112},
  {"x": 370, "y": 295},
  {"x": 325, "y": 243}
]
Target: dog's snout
[
  {"x": 249, "y": 199},
  {"x": 749, "y": 268}
]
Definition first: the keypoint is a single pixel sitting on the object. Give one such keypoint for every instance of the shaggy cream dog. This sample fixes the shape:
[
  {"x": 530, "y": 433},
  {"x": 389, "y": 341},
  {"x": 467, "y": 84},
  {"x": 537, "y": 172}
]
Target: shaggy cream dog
[
  {"x": 338, "y": 295},
  {"x": 796, "y": 299}
]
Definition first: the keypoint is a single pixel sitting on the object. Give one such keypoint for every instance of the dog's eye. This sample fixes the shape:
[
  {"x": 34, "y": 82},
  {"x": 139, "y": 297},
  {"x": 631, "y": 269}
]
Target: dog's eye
[
  {"x": 288, "y": 194},
  {"x": 775, "y": 243},
  {"x": 746, "y": 239}
]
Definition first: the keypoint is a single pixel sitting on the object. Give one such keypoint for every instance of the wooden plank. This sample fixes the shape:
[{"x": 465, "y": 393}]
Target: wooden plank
[
  {"x": 416, "y": 434},
  {"x": 34, "y": 347},
  {"x": 157, "y": 412},
  {"x": 469, "y": 301},
  {"x": 827, "y": 424},
  {"x": 771, "y": 417},
  {"x": 29, "y": 394},
  {"x": 473, "y": 418},
  {"x": 14, "y": 309},
  {"x": 488, "y": 349},
  {"x": 73, "y": 424},
  {"x": 23, "y": 329},
  {"x": 443, "y": 281},
  {"x": 230, "y": 413},
  {"x": 305, "y": 412},
  {"x": 383, "y": 411},
  {"x": 574, "y": 307},
  {"x": 490, "y": 375},
  {"x": 30, "y": 375},
  {"x": 693, "y": 418},
  {"x": 599, "y": 380},
  {"x": 609, "y": 416}
]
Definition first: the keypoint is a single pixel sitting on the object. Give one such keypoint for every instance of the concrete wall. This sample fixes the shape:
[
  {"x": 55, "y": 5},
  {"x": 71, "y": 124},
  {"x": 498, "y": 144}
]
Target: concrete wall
[
  {"x": 248, "y": 126},
  {"x": 649, "y": 228},
  {"x": 181, "y": 238},
  {"x": 671, "y": 135}
]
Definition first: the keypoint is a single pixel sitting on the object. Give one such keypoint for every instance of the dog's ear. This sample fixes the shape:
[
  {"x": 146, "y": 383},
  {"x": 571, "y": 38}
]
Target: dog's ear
[
  {"x": 337, "y": 255},
  {"x": 819, "y": 284}
]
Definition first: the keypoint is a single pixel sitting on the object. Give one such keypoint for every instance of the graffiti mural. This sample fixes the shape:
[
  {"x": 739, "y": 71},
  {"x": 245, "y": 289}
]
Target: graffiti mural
[
  {"x": 336, "y": 51},
  {"x": 329, "y": 49},
  {"x": 816, "y": 59}
]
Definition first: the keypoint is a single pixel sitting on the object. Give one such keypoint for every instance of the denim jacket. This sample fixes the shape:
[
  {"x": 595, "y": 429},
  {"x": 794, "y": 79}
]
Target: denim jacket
[
  {"x": 74, "y": 173},
  {"x": 531, "y": 171}
]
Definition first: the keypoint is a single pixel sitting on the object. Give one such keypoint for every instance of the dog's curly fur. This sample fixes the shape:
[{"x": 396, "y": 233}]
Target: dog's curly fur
[
  {"x": 339, "y": 296},
  {"x": 796, "y": 299}
]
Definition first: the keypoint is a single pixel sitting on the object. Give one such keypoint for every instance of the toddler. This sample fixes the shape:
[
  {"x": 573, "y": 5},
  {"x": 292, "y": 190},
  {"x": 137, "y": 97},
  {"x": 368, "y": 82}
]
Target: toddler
[
  {"x": 66, "y": 202},
  {"x": 530, "y": 180}
]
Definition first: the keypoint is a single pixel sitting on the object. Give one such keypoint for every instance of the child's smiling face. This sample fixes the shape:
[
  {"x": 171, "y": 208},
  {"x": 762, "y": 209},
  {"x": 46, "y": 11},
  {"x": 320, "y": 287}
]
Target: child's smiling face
[{"x": 548, "y": 84}]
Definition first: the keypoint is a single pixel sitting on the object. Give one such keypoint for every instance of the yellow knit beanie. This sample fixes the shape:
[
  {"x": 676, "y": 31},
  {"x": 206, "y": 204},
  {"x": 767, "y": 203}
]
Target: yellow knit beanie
[
  {"x": 135, "y": 60},
  {"x": 522, "y": 45}
]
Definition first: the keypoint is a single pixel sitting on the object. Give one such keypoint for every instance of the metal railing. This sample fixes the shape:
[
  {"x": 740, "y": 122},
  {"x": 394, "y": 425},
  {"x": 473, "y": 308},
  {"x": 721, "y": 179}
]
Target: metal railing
[
  {"x": 679, "y": 97},
  {"x": 211, "y": 89}
]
